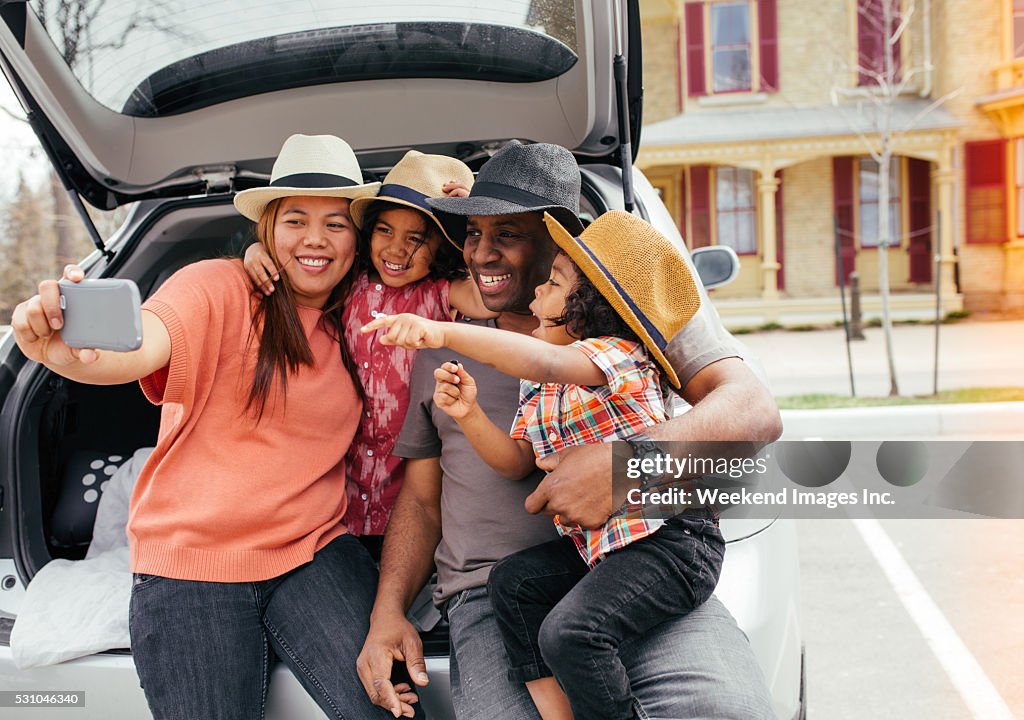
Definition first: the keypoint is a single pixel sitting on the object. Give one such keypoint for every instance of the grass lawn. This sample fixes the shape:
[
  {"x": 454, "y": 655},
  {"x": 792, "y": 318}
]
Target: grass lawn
[{"x": 965, "y": 395}]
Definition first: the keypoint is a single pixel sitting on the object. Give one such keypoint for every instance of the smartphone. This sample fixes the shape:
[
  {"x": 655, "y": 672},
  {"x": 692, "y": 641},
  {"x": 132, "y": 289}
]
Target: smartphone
[{"x": 103, "y": 314}]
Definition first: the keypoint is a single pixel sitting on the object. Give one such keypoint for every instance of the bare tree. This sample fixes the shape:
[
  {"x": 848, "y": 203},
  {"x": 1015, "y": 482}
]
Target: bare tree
[
  {"x": 884, "y": 81},
  {"x": 26, "y": 247},
  {"x": 70, "y": 23}
]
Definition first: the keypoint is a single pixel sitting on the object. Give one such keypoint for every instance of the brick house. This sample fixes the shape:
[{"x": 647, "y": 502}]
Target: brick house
[{"x": 757, "y": 117}]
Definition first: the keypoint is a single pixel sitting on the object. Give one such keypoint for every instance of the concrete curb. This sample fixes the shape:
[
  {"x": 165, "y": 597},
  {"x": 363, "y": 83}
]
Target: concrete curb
[{"x": 969, "y": 421}]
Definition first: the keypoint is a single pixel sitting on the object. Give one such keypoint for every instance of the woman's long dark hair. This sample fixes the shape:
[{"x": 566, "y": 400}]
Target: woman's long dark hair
[
  {"x": 447, "y": 263},
  {"x": 283, "y": 347}
]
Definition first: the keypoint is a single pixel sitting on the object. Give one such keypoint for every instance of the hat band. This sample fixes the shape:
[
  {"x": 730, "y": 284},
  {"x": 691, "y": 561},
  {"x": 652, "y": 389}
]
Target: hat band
[
  {"x": 313, "y": 181},
  {"x": 402, "y": 192},
  {"x": 655, "y": 334},
  {"x": 515, "y": 195}
]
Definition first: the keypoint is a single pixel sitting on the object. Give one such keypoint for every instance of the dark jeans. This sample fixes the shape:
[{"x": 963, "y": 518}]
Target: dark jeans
[
  {"x": 205, "y": 649},
  {"x": 557, "y": 617}
]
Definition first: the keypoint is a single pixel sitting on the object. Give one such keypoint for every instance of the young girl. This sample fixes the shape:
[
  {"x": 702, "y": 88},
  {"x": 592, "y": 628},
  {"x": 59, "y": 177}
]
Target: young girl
[
  {"x": 235, "y": 525},
  {"x": 405, "y": 264},
  {"x": 614, "y": 298}
]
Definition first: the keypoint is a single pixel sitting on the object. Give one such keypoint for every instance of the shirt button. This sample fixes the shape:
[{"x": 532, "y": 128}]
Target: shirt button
[
  {"x": 363, "y": 496},
  {"x": 366, "y": 364},
  {"x": 552, "y": 437},
  {"x": 367, "y": 413},
  {"x": 377, "y": 286},
  {"x": 373, "y": 313},
  {"x": 370, "y": 453}
]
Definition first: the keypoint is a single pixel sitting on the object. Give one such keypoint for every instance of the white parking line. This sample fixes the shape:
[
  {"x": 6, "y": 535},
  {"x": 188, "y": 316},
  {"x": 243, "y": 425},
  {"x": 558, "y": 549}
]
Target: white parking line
[{"x": 967, "y": 676}]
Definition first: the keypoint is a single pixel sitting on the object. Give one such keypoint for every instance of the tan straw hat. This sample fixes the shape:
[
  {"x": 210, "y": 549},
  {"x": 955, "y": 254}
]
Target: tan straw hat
[
  {"x": 640, "y": 272},
  {"x": 317, "y": 165},
  {"x": 412, "y": 180}
]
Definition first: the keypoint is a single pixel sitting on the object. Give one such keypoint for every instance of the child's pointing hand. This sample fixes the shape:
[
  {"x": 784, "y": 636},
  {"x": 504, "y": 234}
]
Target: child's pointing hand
[{"x": 408, "y": 331}]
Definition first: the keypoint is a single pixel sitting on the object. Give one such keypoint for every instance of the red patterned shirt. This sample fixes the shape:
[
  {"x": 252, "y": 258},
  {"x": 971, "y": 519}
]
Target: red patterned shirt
[
  {"x": 374, "y": 474},
  {"x": 553, "y": 416}
]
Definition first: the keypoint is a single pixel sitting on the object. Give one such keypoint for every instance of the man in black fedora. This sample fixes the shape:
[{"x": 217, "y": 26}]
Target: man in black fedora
[{"x": 456, "y": 513}]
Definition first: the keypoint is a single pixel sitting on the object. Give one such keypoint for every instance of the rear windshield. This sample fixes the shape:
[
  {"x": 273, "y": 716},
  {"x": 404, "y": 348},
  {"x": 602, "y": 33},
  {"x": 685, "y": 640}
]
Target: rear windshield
[{"x": 155, "y": 58}]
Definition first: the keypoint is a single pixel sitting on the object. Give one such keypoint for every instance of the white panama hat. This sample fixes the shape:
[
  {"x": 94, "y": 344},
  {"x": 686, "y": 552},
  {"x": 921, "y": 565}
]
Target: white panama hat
[{"x": 309, "y": 165}]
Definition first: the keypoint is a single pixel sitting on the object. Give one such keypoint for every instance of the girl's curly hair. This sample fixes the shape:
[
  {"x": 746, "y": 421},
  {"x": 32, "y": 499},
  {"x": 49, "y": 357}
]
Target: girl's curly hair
[
  {"x": 588, "y": 314},
  {"x": 447, "y": 263}
]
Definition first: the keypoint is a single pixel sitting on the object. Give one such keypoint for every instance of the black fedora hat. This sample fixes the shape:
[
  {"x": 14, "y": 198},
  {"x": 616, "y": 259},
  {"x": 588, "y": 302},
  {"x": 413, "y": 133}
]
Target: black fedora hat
[{"x": 518, "y": 179}]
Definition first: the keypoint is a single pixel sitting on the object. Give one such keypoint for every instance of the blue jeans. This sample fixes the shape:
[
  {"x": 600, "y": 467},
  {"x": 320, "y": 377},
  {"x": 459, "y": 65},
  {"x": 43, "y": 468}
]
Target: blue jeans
[
  {"x": 205, "y": 649},
  {"x": 698, "y": 667},
  {"x": 558, "y": 617}
]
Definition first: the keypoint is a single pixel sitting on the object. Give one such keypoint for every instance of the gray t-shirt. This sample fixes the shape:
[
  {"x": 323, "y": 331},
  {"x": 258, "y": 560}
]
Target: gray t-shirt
[{"x": 482, "y": 513}]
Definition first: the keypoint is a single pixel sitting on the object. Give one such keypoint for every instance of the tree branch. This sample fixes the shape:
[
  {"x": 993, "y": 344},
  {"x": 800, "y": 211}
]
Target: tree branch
[
  {"x": 931, "y": 106},
  {"x": 13, "y": 115}
]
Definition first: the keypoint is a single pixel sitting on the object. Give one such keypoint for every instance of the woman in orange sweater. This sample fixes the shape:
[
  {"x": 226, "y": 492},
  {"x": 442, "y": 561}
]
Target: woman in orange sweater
[{"x": 238, "y": 548}]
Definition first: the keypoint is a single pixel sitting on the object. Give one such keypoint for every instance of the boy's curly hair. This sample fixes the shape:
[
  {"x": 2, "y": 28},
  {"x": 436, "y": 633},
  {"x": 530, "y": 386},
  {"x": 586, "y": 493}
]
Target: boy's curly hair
[
  {"x": 588, "y": 314},
  {"x": 447, "y": 263}
]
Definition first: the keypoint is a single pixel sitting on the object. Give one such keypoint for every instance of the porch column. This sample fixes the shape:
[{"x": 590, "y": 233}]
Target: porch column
[
  {"x": 767, "y": 185},
  {"x": 943, "y": 176}
]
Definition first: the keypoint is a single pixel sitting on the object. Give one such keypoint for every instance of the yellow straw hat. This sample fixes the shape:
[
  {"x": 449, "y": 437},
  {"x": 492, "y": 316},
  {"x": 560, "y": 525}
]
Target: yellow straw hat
[
  {"x": 411, "y": 181},
  {"x": 639, "y": 272}
]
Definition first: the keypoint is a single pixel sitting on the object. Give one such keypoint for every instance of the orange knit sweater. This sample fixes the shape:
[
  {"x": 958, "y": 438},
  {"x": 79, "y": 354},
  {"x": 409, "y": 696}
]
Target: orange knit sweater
[{"x": 224, "y": 498}]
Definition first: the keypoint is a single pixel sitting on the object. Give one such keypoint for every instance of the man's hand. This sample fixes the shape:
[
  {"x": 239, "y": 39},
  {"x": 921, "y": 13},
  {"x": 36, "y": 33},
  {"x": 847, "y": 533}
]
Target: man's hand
[
  {"x": 455, "y": 391},
  {"x": 261, "y": 268},
  {"x": 408, "y": 331},
  {"x": 37, "y": 322},
  {"x": 578, "y": 487},
  {"x": 393, "y": 638}
]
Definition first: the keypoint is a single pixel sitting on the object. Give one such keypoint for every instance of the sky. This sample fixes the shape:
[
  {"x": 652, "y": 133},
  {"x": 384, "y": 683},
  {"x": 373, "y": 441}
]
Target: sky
[{"x": 19, "y": 149}]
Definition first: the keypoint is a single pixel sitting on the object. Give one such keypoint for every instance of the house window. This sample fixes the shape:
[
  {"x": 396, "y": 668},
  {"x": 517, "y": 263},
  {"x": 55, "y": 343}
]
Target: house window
[
  {"x": 736, "y": 213},
  {"x": 868, "y": 177},
  {"x": 730, "y": 47},
  {"x": 1018, "y": 28}
]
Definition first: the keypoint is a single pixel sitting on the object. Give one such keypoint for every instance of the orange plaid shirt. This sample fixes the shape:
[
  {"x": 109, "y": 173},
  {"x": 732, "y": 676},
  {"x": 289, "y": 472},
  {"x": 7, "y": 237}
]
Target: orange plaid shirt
[{"x": 553, "y": 416}]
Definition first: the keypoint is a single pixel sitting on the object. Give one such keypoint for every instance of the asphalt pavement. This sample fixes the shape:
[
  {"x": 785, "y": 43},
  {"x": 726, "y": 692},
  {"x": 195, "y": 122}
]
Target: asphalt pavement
[{"x": 908, "y": 619}]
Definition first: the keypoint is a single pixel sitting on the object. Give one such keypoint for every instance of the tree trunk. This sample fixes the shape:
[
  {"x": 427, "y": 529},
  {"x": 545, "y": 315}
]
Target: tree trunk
[
  {"x": 64, "y": 222},
  {"x": 885, "y": 161}
]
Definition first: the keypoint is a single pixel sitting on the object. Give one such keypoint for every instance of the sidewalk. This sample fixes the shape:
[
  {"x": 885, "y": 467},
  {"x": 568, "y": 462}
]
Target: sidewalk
[
  {"x": 971, "y": 354},
  {"x": 965, "y": 421}
]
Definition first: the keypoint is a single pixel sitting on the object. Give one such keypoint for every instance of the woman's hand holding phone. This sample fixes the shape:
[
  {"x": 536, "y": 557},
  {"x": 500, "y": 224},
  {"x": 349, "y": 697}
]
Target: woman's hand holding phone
[{"x": 37, "y": 323}]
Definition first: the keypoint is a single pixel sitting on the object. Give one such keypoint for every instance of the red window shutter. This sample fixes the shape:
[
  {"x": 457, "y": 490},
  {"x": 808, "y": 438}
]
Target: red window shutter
[
  {"x": 842, "y": 199},
  {"x": 780, "y": 245},
  {"x": 768, "y": 37},
  {"x": 893, "y": 27},
  {"x": 695, "y": 85},
  {"x": 700, "y": 206},
  {"x": 919, "y": 187},
  {"x": 872, "y": 38},
  {"x": 985, "y": 170},
  {"x": 869, "y": 39}
]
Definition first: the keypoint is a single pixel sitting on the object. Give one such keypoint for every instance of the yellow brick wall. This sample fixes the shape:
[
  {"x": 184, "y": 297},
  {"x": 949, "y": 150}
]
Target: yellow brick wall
[
  {"x": 967, "y": 45},
  {"x": 817, "y": 50},
  {"x": 807, "y": 228},
  {"x": 981, "y": 277},
  {"x": 661, "y": 68}
]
